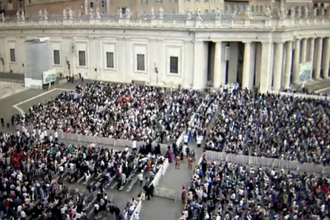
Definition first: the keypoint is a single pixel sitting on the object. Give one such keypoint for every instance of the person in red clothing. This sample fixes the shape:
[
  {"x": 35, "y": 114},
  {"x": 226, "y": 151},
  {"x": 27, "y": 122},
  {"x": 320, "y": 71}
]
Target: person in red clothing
[{"x": 324, "y": 189}]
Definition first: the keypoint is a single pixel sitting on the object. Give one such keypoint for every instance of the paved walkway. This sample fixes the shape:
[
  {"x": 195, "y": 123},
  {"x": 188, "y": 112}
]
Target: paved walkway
[{"x": 8, "y": 89}]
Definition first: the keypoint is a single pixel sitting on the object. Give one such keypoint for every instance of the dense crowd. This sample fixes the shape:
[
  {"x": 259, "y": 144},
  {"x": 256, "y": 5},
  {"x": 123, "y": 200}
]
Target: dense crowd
[
  {"x": 117, "y": 111},
  {"x": 33, "y": 171},
  {"x": 269, "y": 125},
  {"x": 231, "y": 191}
]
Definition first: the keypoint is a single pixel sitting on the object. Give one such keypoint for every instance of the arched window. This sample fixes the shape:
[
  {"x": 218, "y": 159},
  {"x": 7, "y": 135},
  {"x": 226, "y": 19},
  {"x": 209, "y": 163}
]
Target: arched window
[{"x": 91, "y": 4}]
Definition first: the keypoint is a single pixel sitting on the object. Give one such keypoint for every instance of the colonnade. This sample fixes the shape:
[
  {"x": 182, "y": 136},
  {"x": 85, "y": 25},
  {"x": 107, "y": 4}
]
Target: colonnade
[{"x": 279, "y": 62}]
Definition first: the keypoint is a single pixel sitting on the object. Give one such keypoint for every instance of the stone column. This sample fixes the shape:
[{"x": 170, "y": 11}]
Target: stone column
[
  {"x": 303, "y": 50},
  {"x": 296, "y": 62},
  {"x": 266, "y": 67},
  {"x": 278, "y": 66},
  {"x": 247, "y": 81},
  {"x": 311, "y": 53},
  {"x": 318, "y": 57},
  {"x": 200, "y": 65},
  {"x": 219, "y": 65},
  {"x": 288, "y": 65},
  {"x": 326, "y": 57}
]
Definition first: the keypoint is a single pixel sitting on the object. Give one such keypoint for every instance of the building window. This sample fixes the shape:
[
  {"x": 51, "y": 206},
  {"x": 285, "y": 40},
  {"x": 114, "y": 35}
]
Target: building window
[
  {"x": 206, "y": 0},
  {"x": 12, "y": 55},
  {"x": 103, "y": 4},
  {"x": 140, "y": 62},
  {"x": 0, "y": 5},
  {"x": 174, "y": 61},
  {"x": 91, "y": 4},
  {"x": 56, "y": 54},
  {"x": 82, "y": 58},
  {"x": 144, "y": 2},
  {"x": 20, "y": 4},
  {"x": 206, "y": 11},
  {"x": 110, "y": 60},
  {"x": 29, "y": 1},
  {"x": 159, "y": 1}
]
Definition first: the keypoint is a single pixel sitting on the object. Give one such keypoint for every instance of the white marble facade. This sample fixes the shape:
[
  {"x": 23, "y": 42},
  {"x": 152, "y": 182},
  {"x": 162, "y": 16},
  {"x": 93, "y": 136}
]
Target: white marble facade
[{"x": 112, "y": 52}]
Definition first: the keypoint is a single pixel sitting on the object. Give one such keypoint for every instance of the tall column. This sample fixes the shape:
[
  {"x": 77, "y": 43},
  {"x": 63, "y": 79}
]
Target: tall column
[
  {"x": 266, "y": 67},
  {"x": 318, "y": 57},
  {"x": 219, "y": 65},
  {"x": 296, "y": 62},
  {"x": 86, "y": 7},
  {"x": 326, "y": 57},
  {"x": 257, "y": 64},
  {"x": 200, "y": 64},
  {"x": 278, "y": 66},
  {"x": 288, "y": 65},
  {"x": 303, "y": 50},
  {"x": 311, "y": 53},
  {"x": 247, "y": 81}
]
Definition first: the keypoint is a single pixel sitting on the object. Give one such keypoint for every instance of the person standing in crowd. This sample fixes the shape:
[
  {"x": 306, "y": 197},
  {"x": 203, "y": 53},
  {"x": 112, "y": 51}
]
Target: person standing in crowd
[
  {"x": 190, "y": 162},
  {"x": 140, "y": 178},
  {"x": 134, "y": 145},
  {"x": 184, "y": 195},
  {"x": 2, "y": 122},
  {"x": 177, "y": 161}
]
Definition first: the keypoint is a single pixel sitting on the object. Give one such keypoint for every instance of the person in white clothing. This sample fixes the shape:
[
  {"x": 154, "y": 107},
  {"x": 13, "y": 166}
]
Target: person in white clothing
[
  {"x": 140, "y": 178},
  {"x": 199, "y": 140},
  {"x": 134, "y": 145},
  {"x": 136, "y": 216}
]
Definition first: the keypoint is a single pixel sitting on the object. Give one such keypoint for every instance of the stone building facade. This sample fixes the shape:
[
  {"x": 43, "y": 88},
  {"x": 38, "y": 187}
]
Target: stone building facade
[{"x": 195, "y": 52}]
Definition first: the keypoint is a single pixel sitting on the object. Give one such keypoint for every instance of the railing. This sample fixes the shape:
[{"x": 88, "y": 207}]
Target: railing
[
  {"x": 96, "y": 140},
  {"x": 15, "y": 81},
  {"x": 161, "y": 172},
  {"x": 137, "y": 209},
  {"x": 267, "y": 162},
  {"x": 268, "y": 23}
]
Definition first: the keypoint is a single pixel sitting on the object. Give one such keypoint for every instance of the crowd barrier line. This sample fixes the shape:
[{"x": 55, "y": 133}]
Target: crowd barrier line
[
  {"x": 137, "y": 209},
  {"x": 267, "y": 162}
]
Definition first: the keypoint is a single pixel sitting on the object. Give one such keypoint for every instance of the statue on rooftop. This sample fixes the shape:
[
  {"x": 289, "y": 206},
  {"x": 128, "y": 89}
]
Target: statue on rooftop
[
  {"x": 247, "y": 12},
  {"x": 161, "y": 13},
  {"x": 18, "y": 16},
  {"x": 120, "y": 13},
  {"x": 292, "y": 13},
  {"x": 70, "y": 13},
  {"x": 40, "y": 15},
  {"x": 45, "y": 14},
  {"x": 3, "y": 17},
  {"x": 189, "y": 14},
  {"x": 315, "y": 12},
  {"x": 64, "y": 14},
  {"x": 128, "y": 13},
  {"x": 218, "y": 13},
  {"x": 98, "y": 16},
  {"x": 322, "y": 12},
  {"x": 282, "y": 12},
  {"x": 91, "y": 15},
  {"x": 268, "y": 12},
  {"x": 306, "y": 12},
  {"x": 199, "y": 13},
  {"x": 299, "y": 12},
  {"x": 152, "y": 13},
  {"x": 22, "y": 16}
]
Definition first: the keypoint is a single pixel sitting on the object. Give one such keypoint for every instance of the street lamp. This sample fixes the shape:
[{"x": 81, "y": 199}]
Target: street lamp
[{"x": 68, "y": 63}]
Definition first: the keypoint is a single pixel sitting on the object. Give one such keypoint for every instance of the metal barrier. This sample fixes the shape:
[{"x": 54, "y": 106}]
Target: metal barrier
[{"x": 267, "y": 162}]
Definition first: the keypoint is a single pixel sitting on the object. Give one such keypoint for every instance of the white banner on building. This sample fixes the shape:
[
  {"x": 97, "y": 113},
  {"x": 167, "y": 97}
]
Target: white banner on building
[
  {"x": 49, "y": 76},
  {"x": 305, "y": 71}
]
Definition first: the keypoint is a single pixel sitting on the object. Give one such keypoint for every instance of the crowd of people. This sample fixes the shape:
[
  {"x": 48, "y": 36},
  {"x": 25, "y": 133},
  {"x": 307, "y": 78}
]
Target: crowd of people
[
  {"x": 119, "y": 111},
  {"x": 231, "y": 191},
  {"x": 273, "y": 126},
  {"x": 34, "y": 170}
]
